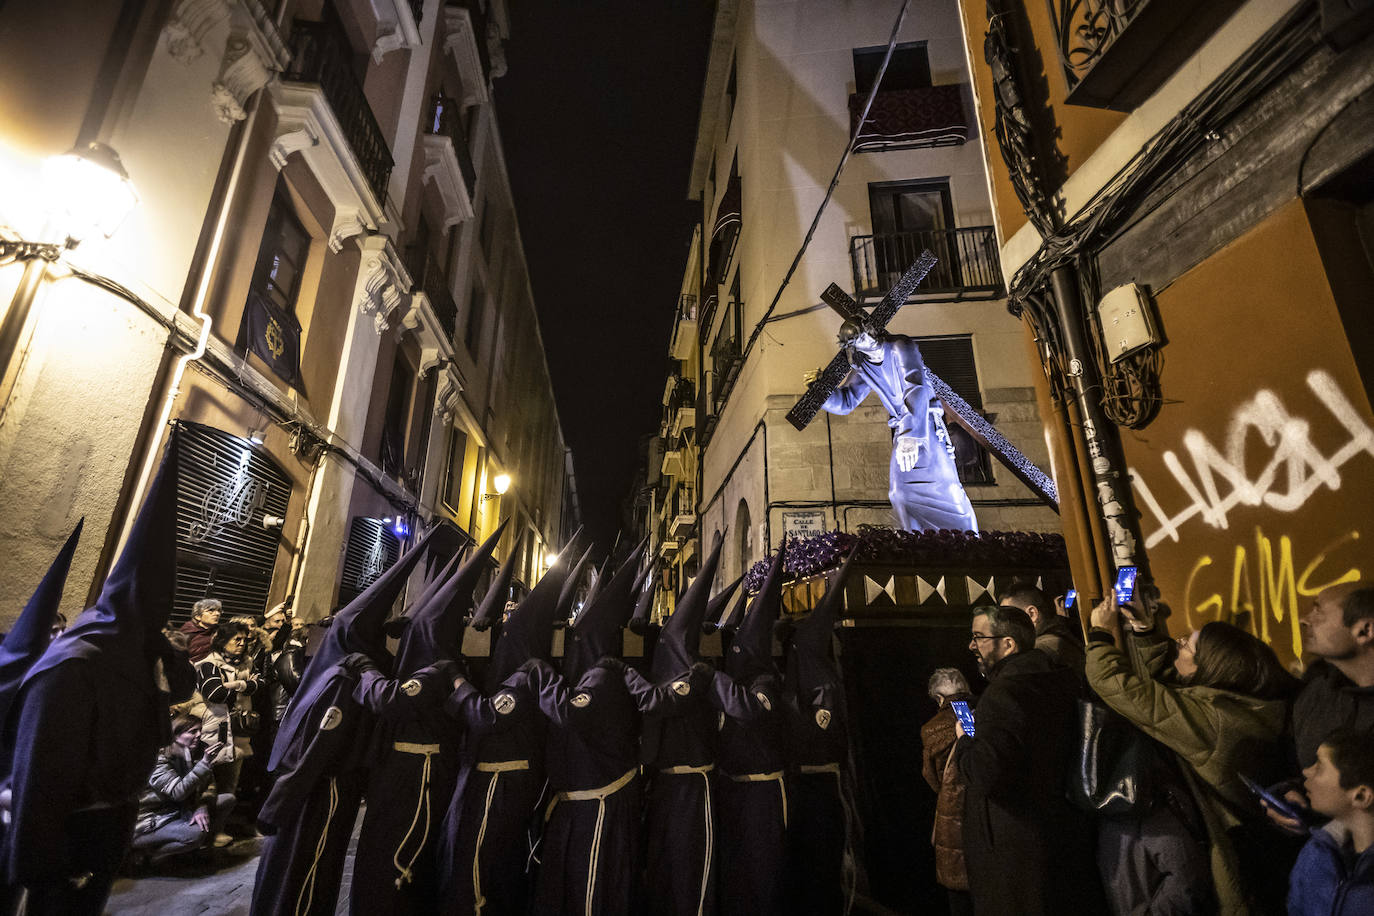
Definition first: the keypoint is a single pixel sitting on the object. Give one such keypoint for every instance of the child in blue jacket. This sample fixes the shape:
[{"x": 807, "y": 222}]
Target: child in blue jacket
[{"x": 1334, "y": 874}]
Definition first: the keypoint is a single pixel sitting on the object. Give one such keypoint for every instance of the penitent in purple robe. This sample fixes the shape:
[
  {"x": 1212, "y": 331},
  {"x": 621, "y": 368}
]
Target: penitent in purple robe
[
  {"x": 679, "y": 751},
  {"x": 751, "y": 779}
]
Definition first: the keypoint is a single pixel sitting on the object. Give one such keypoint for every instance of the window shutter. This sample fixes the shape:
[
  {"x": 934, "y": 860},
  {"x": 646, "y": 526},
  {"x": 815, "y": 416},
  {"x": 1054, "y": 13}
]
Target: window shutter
[
  {"x": 951, "y": 358},
  {"x": 225, "y": 488}
]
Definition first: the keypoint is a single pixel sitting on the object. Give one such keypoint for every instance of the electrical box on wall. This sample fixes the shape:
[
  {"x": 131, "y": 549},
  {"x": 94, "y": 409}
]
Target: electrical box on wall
[{"x": 1127, "y": 320}]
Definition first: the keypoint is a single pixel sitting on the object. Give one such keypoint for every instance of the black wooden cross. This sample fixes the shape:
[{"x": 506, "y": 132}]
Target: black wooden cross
[{"x": 875, "y": 323}]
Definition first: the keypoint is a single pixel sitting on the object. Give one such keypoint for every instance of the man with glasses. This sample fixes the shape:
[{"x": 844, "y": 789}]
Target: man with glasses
[{"x": 1027, "y": 850}]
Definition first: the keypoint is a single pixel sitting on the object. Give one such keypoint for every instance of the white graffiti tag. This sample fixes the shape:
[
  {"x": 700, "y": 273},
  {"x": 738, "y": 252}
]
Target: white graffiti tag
[{"x": 1295, "y": 470}]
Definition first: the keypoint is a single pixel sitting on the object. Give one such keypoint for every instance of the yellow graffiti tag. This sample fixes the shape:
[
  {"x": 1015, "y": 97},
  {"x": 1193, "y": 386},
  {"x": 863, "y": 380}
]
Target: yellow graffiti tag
[{"x": 1278, "y": 587}]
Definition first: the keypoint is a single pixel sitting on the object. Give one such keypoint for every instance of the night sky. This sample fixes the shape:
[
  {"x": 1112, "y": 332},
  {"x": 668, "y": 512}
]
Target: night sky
[{"x": 598, "y": 117}]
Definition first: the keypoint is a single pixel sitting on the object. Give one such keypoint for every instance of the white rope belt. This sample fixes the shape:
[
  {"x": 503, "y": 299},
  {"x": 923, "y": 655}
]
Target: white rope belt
[{"x": 405, "y": 872}]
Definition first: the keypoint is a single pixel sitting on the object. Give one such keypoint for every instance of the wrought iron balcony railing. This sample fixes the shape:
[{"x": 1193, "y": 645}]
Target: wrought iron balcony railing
[
  {"x": 1116, "y": 53},
  {"x": 320, "y": 53},
  {"x": 430, "y": 279},
  {"x": 446, "y": 120},
  {"x": 968, "y": 266},
  {"x": 726, "y": 354},
  {"x": 687, "y": 307}
]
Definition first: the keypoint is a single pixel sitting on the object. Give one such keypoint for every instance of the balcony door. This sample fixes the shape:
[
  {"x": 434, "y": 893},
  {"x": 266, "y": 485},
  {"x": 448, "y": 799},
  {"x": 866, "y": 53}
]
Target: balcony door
[{"x": 907, "y": 217}]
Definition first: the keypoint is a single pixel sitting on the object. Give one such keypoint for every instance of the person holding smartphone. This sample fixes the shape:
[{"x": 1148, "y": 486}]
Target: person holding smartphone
[
  {"x": 180, "y": 811},
  {"x": 1218, "y": 698}
]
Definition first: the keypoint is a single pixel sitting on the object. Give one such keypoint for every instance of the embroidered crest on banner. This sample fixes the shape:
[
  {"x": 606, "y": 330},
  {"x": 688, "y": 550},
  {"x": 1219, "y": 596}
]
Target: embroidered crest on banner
[
  {"x": 681, "y": 688},
  {"x": 331, "y": 719},
  {"x": 823, "y": 718},
  {"x": 411, "y": 687},
  {"x": 504, "y": 703},
  {"x": 763, "y": 698},
  {"x": 581, "y": 700}
]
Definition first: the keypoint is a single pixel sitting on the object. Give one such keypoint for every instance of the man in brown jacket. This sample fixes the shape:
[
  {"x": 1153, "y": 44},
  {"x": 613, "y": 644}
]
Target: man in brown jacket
[{"x": 937, "y": 741}]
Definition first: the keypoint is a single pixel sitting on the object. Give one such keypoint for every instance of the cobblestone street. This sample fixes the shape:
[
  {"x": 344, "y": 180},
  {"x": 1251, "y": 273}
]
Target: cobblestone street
[{"x": 203, "y": 888}]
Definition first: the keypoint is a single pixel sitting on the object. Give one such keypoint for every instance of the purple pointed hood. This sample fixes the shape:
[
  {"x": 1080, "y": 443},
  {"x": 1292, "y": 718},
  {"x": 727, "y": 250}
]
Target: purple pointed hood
[
  {"x": 569, "y": 592},
  {"x": 720, "y": 613},
  {"x": 528, "y": 632},
  {"x": 751, "y": 651},
  {"x": 644, "y": 589},
  {"x": 358, "y": 627},
  {"x": 493, "y": 604},
  {"x": 28, "y": 639},
  {"x": 435, "y": 630},
  {"x": 595, "y": 633},
  {"x": 124, "y": 628},
  {"x": 680, "y": 637},
  {"x": 812, "y": 641}
]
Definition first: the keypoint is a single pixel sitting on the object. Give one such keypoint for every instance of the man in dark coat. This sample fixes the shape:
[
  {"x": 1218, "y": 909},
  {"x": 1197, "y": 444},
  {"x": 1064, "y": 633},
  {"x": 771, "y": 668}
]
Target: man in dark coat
[
  {"x": 84, "y": 729},
  {"x": 1027, "y": 850},
  {"x": 416, "y": 750},
  {"x": 485, "y": 847},
  {"x": 751, "y": 784},
  {"x": 819, "y": 824},
  {"x": 319, "y": 755},
  {"x": 679, "y": 748},
  {"x": 590, "y": 847}
]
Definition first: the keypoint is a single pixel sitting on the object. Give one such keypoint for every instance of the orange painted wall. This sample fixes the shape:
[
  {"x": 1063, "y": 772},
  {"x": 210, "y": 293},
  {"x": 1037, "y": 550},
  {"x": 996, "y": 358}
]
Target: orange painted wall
[
  {"x": 1080, "y": 130},
  {"x": 1256, "y": 481}
]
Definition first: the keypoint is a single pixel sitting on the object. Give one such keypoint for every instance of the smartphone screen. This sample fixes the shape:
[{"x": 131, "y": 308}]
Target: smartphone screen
[
  {"x": 1069, "y": 598},
  {"x": 1125, "y": 584},
  {"x": 963, "y": 714},
  {"x": 224, "y": 732},
  {"x": 1282, "y": 806}
]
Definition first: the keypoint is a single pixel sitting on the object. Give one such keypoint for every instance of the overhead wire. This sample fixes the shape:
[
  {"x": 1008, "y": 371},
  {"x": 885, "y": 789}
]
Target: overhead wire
[{"x": 834, "y": 182}]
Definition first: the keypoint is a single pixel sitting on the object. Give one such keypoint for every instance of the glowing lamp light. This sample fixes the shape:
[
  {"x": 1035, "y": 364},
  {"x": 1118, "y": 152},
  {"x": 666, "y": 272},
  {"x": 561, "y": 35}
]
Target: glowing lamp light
[
  {"x": 401, "y": 529},
  {"x": 550, "y": 559},
  {"x": 502, "y": 483},
  {"x": 88, "y": 191}
]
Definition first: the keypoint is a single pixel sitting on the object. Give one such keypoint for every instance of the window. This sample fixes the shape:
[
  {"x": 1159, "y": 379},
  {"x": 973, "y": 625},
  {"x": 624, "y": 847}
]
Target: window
[
  {"x": 454, "y": 472},
  {"x": 908, "y": 217},
  {"x": 908, "y": 69},
  {"x": 485, "y": 229},
  {"x": 282, "y": 255},
  {"x": 393, "y": 449},
  {"x": 951, "y": 358},
  {"x": 472, "y": 334},
  {"x": 731, "y": 91}
]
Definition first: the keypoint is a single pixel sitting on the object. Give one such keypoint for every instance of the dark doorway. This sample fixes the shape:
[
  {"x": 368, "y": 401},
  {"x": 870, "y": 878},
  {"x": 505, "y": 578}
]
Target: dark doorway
[{"x": 886, "y": 670}]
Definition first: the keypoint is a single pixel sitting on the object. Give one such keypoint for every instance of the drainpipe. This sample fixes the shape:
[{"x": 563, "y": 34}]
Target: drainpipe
[{"x": 1100, "y": 444}]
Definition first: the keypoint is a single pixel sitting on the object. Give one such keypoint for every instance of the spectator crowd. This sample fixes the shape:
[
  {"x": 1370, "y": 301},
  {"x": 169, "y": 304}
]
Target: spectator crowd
[{"x": 1124, "y": 771}]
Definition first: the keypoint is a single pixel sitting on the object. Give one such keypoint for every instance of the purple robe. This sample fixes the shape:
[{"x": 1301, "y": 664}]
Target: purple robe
[{"x": 929, "y": 496}]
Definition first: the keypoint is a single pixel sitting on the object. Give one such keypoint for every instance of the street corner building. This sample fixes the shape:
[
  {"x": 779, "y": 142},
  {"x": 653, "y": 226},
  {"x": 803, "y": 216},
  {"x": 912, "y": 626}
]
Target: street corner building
[
  {"x": 1150, "y": 225},
  {"x": 308, "y": 261}
]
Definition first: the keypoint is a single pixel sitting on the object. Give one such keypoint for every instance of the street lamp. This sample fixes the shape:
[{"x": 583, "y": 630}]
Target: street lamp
[
  {"x": 87, "y": 191},
  {"x": 500, "y": 483}
]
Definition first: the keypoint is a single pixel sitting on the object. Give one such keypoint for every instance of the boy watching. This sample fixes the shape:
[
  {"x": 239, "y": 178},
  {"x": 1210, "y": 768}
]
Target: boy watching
[{"x": 1334, "y": 873}]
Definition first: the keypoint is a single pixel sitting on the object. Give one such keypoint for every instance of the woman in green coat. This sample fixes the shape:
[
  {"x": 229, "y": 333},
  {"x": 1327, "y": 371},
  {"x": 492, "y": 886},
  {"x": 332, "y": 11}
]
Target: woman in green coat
[{"x": 1221, "y": 707}]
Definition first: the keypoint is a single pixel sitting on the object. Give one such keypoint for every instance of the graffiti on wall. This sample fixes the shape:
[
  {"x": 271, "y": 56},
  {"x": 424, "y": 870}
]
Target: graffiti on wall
[
  {"x": 1261, "y": 586},
  {"x": 1264, "y": 581},
  {"x": 1218, "y": 481}
]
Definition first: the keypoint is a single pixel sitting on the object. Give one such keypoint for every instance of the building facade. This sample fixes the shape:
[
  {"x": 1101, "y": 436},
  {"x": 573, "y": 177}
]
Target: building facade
[
  {"x": 322, "y": 284},
  {"x": 1183, "y": 201},
  {"x": 785, "y": 87}
]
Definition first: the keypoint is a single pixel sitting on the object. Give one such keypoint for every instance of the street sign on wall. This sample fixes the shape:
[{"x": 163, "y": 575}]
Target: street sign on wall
[{"x": 803, "y": 523}]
